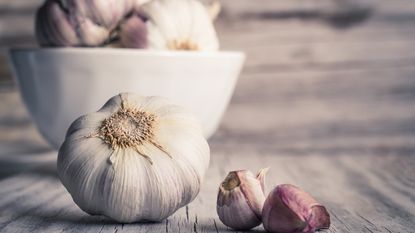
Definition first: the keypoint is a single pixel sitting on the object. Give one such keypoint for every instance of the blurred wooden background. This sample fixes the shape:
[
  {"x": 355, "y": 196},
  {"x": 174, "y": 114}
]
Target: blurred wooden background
[
  {"x": 332, "y": 69},
  {"x": 348, "y": 65},
  {"x": 327, "y": 98}
]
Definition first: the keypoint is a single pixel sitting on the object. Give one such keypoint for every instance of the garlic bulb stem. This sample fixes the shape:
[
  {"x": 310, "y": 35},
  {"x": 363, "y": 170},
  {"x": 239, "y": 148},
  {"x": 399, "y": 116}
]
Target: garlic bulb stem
[
  {"x": 127, "y": 128},
  {"x": 130, "y": 128},
  {"x": 261, "y": 177},
  {"x": 185, "y": 44},
  {"x": 231, "y": 181}
]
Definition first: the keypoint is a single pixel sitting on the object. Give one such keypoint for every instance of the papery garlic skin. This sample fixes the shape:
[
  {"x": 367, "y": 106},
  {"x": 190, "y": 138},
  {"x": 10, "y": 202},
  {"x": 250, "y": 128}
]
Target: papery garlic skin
[
  {"x": 79, "y": 22},
  {"x": 136, "y": 159},
  {"x": 289, "y": 209},
  {"x": 174, "y": 25},
  {"x": 240, "y": 199}
]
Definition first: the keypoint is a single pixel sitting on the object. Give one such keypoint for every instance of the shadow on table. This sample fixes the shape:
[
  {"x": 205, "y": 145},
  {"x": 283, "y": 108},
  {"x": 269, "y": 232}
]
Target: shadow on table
[
  {"x": 64, "y": 215},
  {"x": 82, "y": 221},
  {"x": 42, "y": 161}
]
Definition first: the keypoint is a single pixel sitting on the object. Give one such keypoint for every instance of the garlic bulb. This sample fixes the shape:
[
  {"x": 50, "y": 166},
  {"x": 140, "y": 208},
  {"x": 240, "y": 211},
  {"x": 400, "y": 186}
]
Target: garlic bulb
[
  {"x": 136, "y": 159},
  {"x": 170, "y": 25},
  {"x": 240, "y": 199},
  {"x": 80, "y": 22},
  {"x": 289, "y": 209}
]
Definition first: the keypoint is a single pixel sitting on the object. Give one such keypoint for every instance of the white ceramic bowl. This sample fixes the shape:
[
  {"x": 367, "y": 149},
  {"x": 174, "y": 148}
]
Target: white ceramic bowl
[{"x": 59, "y": 85}]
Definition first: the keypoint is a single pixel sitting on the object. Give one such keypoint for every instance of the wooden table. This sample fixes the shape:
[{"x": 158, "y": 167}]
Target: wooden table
[{"x": 326, "y": 100}]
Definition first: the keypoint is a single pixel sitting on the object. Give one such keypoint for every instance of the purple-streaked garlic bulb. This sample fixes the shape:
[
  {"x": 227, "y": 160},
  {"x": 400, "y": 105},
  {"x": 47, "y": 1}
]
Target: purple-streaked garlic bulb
[
  {"x": 61, "y": 23},
  {"x": 289, "y": 209},
  {"x": 170, "y": 25},
  {"x": 138, "y": 159},
  {"x": 240, "y": 199}
]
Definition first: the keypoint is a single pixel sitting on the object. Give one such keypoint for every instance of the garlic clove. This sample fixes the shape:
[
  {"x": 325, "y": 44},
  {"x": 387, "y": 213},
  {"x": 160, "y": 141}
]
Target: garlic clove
[
  {"x": 289, "y": 209},
  {"x": 96, "y": 19},
  {"x": 53, "y": 27},
  {"x": 254, "y": 194},
  {"x": 204, "y": 31},
  {"x": 235, "y": 212},
  {"x": 134, "y": 33},
  {"x": 106, "y": 14},
  {"x": 240, "y": 199},
  {"x": 91, "y": 34}
]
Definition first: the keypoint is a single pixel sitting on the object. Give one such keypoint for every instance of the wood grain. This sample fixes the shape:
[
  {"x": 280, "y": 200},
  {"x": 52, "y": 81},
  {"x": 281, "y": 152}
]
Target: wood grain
[
  {"x": 358, "y": 197},
  {"x": 326, "y": 99}
]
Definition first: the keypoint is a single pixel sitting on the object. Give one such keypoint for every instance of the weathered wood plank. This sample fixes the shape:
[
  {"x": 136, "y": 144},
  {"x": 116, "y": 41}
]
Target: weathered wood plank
[{"x": 357, "y": 198}]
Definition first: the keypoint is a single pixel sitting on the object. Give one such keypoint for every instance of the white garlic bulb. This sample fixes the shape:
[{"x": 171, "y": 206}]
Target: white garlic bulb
[
  {"x": 136, "y": 159},
  {"x": 80, "y": 22},
  {"x": 170, "y": 25},
  {"x": 241, "y": 198}
]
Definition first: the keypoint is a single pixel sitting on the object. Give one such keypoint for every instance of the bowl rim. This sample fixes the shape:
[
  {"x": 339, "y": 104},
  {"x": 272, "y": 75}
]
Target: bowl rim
[{"x": 127, "y": 51}]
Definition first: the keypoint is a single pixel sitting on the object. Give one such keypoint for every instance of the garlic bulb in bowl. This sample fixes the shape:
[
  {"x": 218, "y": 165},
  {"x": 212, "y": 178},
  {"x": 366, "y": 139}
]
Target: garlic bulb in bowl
[
  {"x": 170, "y": 25},
  {"x": 79, "y": 22},
  {"x": 136, "y": 159}
]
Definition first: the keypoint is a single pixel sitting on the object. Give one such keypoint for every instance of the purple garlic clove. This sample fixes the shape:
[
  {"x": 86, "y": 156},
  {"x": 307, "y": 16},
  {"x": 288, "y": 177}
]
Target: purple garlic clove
[
  {"x": 53, "y": 27},
  {"x": 289, "y": 209},
  {"x": 240, "y": 199},
  {"x": 134, "y": 33}
]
